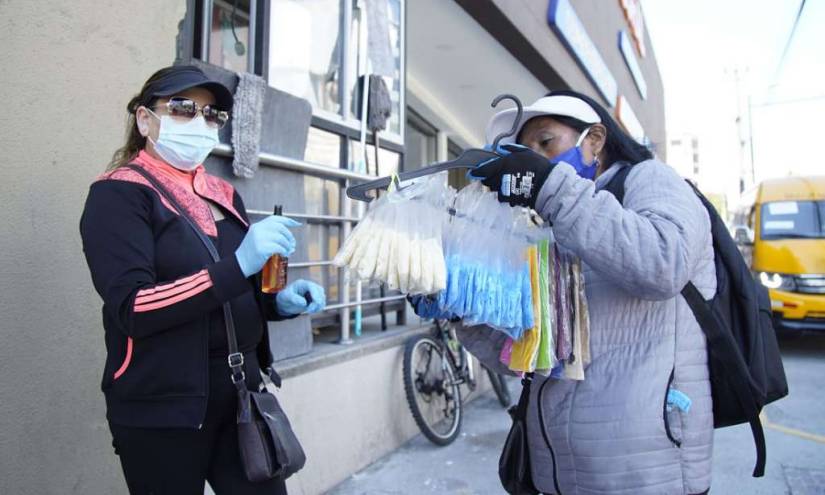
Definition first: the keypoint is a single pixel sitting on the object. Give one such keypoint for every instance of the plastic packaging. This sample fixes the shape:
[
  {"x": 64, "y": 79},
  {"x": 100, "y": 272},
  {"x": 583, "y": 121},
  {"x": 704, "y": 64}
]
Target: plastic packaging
[
  {"x": 398, "y": 242},
  {"x": 488, "y": 272}
]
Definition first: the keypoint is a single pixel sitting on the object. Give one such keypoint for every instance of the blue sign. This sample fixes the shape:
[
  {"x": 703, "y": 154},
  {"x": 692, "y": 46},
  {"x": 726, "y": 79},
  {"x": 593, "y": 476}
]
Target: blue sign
[
  {"x": 626, "y": 47},
  {"x": 570, "y": 30}
]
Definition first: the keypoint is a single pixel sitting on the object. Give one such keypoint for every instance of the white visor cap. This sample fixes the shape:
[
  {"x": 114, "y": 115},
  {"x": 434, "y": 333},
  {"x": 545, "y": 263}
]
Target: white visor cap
[{"x": 549, "y": 105}]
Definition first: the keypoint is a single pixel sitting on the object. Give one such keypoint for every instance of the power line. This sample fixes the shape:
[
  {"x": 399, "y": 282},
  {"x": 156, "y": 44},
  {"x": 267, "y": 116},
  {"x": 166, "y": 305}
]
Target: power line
[
  {"x": 788, "y": 45},
  {"x": 792, "y": 100}
]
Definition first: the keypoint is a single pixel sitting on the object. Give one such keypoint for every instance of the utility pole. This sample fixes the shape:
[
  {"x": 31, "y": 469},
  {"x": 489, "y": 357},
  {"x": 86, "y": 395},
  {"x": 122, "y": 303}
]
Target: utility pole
[
  {"x": 750, "y": 140},
  {"x": 740, "y": 132}
]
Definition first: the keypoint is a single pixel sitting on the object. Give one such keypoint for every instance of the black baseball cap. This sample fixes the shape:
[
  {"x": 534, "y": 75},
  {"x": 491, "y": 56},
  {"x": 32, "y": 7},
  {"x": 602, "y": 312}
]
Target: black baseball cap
[{"x": 179, "y": 78}]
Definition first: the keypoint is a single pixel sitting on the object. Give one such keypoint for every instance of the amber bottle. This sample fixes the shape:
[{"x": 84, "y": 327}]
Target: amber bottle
[{"x": 273, "y": 277}]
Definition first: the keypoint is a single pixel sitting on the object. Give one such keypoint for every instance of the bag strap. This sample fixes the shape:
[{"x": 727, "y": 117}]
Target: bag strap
[
  {"x": 519, "y": 411},
  {"x": 725, "y": 352},
  {"x": 235, "y": 358},
  {"x": 616, "y": 184}
]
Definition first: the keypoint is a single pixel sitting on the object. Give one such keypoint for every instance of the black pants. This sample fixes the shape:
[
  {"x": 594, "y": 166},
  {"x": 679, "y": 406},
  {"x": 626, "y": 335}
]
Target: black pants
[{"x": 177, "y": 461}]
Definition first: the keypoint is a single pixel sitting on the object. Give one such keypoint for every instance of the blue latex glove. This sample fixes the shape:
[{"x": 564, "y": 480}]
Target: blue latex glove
[
  {"x": 427, "y": 307},
  {"x": 265, "y": 238},
  {"x": 301, "y": 296}
]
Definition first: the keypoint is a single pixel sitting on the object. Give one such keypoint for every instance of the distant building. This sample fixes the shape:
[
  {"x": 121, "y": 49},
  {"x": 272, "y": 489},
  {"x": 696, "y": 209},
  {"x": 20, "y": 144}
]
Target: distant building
[{"x": 683, "y": 155}]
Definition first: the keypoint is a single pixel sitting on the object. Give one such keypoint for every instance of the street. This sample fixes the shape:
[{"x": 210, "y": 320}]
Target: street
[{"x": 794, "y": 428}]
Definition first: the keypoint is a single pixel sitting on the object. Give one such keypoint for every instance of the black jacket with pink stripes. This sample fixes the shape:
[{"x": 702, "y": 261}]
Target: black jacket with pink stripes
[{"x": 163, "y": 296}]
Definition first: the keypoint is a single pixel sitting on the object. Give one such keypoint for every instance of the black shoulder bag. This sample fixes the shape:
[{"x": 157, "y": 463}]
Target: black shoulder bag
[{"x": 269, "y": 447}]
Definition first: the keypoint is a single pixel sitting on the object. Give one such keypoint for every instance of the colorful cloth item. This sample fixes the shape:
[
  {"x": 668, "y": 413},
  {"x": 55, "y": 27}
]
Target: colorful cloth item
[{"x": 525, "y": 349}]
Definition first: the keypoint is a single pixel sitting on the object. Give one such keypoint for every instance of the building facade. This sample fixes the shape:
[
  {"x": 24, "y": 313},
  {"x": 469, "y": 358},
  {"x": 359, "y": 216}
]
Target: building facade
[{"x": 69, "y": 71}]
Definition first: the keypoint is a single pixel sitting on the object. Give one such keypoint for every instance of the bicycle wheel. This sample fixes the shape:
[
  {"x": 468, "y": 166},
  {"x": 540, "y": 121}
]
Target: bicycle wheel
[
  {"x": 500, "y": 388},
  {"x": 432, "y": 393}
]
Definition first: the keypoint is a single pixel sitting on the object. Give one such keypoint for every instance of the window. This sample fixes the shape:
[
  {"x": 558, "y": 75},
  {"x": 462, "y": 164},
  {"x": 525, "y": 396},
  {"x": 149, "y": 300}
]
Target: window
[
  {"x": 322, "y": 244},
  {"x": 321, "y": 197},
  {"x": 380, "y": 37},
  {"x": 388, "y": 161},
  {"x": 457, "y": 178},
  {"x": 228, "y": 34},
  {"x": 793, "y": 220},
  {"x": 323, "y": 148},
  {"x": 314, "y": 49},
  {"x": 305, "y": 50},
  {"x": 421, "y": 140}
]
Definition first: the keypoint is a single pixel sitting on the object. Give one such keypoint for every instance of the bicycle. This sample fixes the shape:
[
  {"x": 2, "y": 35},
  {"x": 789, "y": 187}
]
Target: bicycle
[{"x": 434, "y": 390}]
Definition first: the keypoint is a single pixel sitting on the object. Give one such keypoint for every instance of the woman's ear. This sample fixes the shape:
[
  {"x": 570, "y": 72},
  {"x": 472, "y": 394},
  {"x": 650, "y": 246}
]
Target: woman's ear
[
  {"x": 142, "y": 117},
  {"x": 596, "y": 139}
]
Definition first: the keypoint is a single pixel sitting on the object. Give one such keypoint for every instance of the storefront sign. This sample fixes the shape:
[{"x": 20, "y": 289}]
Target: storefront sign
[
  {"x": 628, "y": 119},
  {"x": 632, "y": 63},
  {"x": 570, "y": 30},
  {"x": 636, "y": 21}
]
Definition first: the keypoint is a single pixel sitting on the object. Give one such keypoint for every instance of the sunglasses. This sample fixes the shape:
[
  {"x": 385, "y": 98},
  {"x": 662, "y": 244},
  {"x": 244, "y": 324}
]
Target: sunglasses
[{"x": 187, "y": 109}]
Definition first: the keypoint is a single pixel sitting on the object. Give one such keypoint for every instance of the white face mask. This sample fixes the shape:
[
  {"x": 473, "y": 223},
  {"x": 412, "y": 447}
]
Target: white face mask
[{"x": 184, "y": 145}]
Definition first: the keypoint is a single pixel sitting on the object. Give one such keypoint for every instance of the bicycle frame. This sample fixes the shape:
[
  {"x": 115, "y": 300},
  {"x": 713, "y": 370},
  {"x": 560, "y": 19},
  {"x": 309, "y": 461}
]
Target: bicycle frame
[{"x": 463, "y": 369}]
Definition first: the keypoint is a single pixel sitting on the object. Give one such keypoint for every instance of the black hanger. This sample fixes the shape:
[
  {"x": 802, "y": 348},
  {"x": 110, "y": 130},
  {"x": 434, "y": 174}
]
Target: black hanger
[{"x": 468, "y": 159}]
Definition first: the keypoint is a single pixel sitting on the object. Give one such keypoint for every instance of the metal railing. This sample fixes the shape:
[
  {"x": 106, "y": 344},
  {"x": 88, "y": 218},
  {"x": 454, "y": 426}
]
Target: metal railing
[
  {"x": 309, "y": 216},
  {"x": 295, "y": 165},
  {"x": 366, "y": 301},
  {"x": 318, "y": 170}
]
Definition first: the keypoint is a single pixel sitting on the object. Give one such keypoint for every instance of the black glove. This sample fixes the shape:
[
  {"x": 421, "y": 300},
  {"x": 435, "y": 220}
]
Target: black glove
[{"x": 517, "y": 177}]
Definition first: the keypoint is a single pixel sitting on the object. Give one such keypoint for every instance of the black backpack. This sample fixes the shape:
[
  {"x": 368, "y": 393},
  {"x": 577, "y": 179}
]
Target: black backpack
[{"x": 746, "y": 371}]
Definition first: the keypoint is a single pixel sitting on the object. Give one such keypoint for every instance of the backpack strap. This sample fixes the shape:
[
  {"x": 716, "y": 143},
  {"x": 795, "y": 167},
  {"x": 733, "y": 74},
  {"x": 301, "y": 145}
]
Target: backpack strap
[
  {"x": 725, "y": 353},
  {"x": 720, "y": 347},
  {"x": 616, "y": 184}
]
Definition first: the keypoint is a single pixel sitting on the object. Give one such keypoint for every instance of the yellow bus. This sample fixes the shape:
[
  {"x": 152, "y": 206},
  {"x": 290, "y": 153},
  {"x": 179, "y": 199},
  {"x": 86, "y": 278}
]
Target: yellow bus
[{"x": 780, "y": 227}]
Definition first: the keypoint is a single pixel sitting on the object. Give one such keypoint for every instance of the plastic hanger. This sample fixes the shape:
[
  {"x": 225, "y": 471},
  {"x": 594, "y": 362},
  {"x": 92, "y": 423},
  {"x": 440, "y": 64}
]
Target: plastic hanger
[{"x": 468, "y": 159}]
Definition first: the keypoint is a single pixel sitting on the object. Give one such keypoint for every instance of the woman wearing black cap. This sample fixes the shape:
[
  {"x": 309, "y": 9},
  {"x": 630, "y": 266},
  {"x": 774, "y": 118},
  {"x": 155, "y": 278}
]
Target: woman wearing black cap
[
  {"x": 170, "y": 401},
  {"x": 641, "y": 422}
]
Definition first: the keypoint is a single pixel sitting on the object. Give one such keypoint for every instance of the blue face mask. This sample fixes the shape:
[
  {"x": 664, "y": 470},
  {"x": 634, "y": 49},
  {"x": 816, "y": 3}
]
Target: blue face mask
[
  {"x": 575, "y": 157},
  {"x": 184, "y": 145}
]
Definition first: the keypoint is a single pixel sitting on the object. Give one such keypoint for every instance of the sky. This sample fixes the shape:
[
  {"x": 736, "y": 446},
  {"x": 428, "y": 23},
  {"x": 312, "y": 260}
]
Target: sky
[{"x": 701, "y": 46}]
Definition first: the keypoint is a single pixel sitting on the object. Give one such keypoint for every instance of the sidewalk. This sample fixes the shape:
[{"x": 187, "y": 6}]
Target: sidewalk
[
  {"x": 467, "y": 466},
  {"x": 795, "y": 435}
]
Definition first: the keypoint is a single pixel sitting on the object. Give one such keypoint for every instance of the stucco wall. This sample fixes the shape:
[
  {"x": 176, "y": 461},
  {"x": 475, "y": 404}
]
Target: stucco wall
[{"x": 68, "y": 70}]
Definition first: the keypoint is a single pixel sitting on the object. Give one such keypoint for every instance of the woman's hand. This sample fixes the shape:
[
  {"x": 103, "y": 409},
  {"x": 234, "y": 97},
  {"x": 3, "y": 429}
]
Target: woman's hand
[
  {"x": 265, "y": 238},
  {"x": 516, "y": 177},
  {"x": 300, "y": 296}
]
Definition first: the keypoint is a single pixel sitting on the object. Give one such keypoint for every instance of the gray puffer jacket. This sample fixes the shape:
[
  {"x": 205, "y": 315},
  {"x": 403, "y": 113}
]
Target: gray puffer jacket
[{"x": 612, "y": 433}]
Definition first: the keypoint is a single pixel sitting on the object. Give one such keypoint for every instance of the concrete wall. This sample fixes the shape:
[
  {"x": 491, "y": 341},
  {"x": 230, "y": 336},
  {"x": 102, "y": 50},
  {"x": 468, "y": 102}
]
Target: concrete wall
[
  {"x": 350, "y": 415},
  {"x": 68, "y": 70}
]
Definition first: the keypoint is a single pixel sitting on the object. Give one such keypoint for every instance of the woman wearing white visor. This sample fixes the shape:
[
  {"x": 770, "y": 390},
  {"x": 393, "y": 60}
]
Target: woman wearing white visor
[{"x": 620, "y": 430}]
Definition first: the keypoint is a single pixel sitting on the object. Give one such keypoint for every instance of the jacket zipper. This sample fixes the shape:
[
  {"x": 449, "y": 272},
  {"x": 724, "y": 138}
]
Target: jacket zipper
[
  {"x": 205, "y": 339},
  {"x": 664, "y": 412},
  {"x": 547, "y": 438}
]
